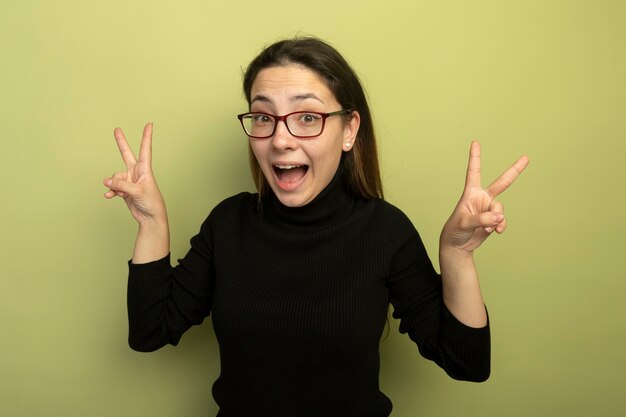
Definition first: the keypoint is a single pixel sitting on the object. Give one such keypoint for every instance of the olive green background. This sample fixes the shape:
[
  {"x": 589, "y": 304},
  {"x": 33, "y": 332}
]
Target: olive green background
[{"x": 543, "y": 78}]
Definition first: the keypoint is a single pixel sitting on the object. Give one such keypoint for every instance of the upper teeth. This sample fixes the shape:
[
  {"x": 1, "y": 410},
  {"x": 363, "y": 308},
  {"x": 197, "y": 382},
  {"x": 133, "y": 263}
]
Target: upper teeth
[{"x": 287, "y": 166}]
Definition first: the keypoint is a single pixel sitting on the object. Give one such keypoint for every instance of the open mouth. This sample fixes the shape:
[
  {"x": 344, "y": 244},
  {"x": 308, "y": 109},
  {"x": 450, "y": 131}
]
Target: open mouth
[{"x": 290, "y": 173}]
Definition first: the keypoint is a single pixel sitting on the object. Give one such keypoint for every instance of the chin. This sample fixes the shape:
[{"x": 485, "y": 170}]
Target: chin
[{"x": 292, "y": 200}]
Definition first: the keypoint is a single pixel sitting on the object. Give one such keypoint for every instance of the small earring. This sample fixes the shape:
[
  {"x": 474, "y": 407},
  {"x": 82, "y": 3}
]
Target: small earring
[{"x": 348, "y": 145}]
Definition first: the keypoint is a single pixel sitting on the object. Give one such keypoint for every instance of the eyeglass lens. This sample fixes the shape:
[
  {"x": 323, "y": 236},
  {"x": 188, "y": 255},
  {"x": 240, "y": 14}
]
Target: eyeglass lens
[{"x": 299, "y": 124}]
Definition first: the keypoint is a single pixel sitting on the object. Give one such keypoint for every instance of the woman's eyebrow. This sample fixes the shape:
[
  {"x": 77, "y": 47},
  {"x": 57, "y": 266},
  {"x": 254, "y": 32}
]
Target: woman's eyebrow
[
  {"x": 297, "y": 97},
  {"x": 300, "y": 97},
  {"x": 260, "y": 97}
]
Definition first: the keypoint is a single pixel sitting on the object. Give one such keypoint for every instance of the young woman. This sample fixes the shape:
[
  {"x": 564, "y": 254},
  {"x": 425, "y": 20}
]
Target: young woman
[{"x": 298, "y": 278}]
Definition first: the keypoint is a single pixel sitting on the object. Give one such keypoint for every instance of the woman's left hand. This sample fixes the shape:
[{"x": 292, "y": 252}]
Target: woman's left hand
[{"x": 477, "y": 213}]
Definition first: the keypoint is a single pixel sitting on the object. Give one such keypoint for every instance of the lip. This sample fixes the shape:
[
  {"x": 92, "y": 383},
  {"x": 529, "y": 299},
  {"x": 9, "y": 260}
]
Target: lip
[{"x": 288, "y": 185}]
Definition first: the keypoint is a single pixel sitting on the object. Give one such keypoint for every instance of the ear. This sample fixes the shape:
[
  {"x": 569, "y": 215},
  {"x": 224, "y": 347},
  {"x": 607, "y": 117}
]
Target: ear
[{"x": 350, "y": 130}]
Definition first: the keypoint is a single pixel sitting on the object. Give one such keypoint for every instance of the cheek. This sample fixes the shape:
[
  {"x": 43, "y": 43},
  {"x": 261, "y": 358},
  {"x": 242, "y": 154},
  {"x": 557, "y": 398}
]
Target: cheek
[
  {"x": 257, "y": 151},
  {"x": 327, "y": 158}
]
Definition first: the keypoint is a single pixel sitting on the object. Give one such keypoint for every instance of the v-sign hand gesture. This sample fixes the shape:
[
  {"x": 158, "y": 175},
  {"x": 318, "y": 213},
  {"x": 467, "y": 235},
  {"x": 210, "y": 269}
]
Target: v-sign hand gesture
[
  {"x": 137, "y": 185},
  {"x": 477, "y": 213}
]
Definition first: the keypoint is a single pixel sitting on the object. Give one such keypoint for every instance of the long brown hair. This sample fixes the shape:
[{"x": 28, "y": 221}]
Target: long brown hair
[{"x": 359, "y": 167}]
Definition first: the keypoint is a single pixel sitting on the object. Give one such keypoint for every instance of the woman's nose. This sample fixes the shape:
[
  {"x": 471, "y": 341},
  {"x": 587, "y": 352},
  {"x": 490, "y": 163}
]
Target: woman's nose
[{"x": 282, "y": 138}]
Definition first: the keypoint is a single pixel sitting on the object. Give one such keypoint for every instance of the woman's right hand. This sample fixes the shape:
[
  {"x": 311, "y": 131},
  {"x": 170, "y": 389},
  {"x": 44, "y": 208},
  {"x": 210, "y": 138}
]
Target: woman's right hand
[{"x": 137, "y": 185}]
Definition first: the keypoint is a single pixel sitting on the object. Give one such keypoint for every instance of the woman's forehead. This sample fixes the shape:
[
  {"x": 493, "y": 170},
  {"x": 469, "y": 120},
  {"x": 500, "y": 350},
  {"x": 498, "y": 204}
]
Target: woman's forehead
[{"x": 289, "y": 82}]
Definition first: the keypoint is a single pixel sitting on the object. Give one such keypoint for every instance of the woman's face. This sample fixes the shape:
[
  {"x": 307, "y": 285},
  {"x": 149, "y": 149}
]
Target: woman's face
[{"x": 298, "y": 169}]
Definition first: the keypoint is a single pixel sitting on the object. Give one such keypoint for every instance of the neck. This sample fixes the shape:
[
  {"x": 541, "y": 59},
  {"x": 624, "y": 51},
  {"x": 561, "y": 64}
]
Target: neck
[{"x": 332, "y": 203}]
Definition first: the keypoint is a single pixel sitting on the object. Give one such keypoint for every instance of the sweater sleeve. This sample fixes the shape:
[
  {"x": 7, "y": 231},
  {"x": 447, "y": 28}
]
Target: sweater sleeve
[
  {"x": 163, "y": 302},
  {"x": 416, "y": 295}
]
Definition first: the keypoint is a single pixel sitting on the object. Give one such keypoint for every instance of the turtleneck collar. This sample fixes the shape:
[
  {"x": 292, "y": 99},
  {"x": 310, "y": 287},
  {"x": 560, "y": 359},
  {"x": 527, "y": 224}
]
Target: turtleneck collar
[{"x": 333, "y": 203}]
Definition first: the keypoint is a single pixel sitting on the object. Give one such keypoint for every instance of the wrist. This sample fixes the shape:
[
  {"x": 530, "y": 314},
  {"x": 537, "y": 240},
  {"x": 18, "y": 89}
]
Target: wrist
[
  {"x": 153, "y": 241},
  {"x": 153, "y": 222},
  {"x": 154, "y": 229},
  {"x": 454, "y": 253},
  {"x": 456, "y": 263}
]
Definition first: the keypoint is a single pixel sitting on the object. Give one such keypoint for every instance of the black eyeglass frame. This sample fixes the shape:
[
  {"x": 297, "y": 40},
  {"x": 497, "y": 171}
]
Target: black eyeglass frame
[{"x": 283, "y": 118}]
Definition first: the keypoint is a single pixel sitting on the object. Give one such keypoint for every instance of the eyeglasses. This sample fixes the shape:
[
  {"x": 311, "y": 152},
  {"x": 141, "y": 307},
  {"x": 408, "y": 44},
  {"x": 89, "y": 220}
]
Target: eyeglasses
[{"x": 301, "y": 124}]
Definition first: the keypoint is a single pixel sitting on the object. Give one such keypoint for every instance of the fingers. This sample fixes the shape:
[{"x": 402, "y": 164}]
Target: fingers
[
  {"x": 508, "y": 177},
  {"x": 145, "y": 152},
  {"x": 118, "y": 186},
  {"x": 121, "y": 184},
  {"x": 498, "y": 209},
  {"x": 472, "y": 178},
  {"x": 110, "y": 194},
  {"x": 108, "y": 182},
  {"x": 501, "y": 183},
  {"x": 488, "y": 220},
  {"x": 127, "y": 154}
]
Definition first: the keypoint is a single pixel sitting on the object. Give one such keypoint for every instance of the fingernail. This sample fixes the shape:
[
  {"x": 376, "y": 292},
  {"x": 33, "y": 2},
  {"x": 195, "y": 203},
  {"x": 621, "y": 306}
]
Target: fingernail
[{"x": 108, "y": 182}]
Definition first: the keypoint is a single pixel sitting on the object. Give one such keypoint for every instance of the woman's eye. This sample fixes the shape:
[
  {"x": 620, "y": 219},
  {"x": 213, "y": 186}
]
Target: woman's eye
[
  {"x": 261, "y": 118},
  {"x": 309, "y": 118}
]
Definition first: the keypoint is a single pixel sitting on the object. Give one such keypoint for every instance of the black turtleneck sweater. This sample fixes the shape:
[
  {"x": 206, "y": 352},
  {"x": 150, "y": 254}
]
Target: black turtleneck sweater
[{"x": 299, "y": 299}]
